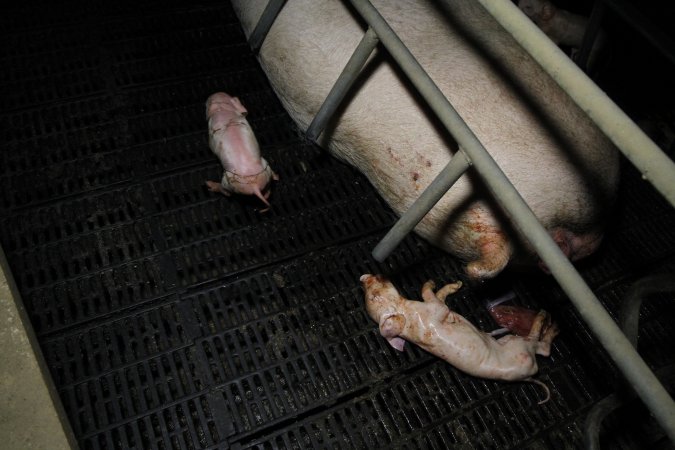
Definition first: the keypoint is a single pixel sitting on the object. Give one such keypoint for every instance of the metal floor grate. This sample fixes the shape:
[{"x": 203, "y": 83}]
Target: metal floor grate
[{"x": 172, "y": 318}]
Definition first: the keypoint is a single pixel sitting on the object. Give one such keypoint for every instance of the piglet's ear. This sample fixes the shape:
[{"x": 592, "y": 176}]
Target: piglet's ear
[
  {"x": 392, "y": 325},
  {"x": 397, "y": 342},
  {"x": 238, "y": 106}
]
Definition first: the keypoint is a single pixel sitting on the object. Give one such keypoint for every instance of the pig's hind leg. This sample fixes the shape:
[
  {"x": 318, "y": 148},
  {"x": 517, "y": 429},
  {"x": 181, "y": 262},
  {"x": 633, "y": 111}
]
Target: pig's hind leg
[
  {"x": 495, "y": 253},
  {"x": 491, "y": 250},
  {"x": 214, "y": 186}
]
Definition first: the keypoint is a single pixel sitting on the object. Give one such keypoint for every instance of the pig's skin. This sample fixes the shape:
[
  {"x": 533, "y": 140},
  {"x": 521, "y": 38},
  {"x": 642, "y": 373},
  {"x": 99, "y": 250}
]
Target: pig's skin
[
  {"x": 232, "y": 140},
  {"x": 563, "y": 166},
  {"x": 448, "y": 335}
]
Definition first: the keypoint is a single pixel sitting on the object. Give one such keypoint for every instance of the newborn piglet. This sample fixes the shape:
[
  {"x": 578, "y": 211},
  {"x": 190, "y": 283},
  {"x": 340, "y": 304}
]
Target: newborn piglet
[
  {"x": 437, "y": 329},
  {"x": 232, "y": 140}
]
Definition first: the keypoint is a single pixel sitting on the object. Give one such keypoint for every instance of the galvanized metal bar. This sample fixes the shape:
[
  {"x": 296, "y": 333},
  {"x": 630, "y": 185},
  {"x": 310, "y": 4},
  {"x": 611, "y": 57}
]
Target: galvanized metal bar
[
  {"x": 342, "y": 85},
  {"x": 431, "y": 195},
  {"x": 264, "y": 24},
  {"x": 654, "y": 165},
  {"x": 605, "y": 329}
]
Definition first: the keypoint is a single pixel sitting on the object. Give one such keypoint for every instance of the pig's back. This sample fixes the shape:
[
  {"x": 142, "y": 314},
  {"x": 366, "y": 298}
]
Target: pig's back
[{"x": 561, "y": 164}]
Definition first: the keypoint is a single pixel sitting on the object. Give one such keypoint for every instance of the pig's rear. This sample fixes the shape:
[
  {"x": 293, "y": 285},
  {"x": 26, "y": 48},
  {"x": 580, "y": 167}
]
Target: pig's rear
[{"x": 563, "y": 166}]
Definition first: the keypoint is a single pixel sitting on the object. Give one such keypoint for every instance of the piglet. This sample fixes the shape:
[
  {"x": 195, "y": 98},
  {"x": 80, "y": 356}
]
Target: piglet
[
  {"x": 561, "y": 26},
  {"x": 232, "y": 140},
  {"x": 446, "y": 334}
]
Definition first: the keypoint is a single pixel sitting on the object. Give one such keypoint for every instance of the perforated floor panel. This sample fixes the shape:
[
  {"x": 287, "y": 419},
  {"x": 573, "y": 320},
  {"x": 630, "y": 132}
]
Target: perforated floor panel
[{"x": 174, "y": 318}]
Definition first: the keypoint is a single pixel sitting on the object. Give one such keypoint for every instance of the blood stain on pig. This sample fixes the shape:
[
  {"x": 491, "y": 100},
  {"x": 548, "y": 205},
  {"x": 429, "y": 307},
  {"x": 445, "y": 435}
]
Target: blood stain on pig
[
  {"x": 415, "y": 176},
  {"x": 393, "y": 156}
]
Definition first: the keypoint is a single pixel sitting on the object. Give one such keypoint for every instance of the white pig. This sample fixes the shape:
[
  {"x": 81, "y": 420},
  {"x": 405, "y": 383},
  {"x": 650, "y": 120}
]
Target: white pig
[
  {"x": 435, "y": 328},
  {"x": 563, "y": 166},
  {"x": 232, "y": 140}
]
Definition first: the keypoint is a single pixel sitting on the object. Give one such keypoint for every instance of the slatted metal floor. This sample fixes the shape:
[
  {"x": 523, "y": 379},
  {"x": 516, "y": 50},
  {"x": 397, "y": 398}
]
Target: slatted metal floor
[{"x": 173, "y": 318}]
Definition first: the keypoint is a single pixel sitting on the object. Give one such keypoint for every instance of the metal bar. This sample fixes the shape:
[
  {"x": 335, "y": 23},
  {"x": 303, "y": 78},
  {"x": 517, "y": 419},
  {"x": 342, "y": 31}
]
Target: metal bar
[
  {"x": 606, "y": 406},
  {"x": 629, "y": 315},
  {"x": 431, "y": 195},
  {"x": 606, "y": 330},
  {"x": 596, "y": 416},
  {"x": 264, "y": 24},
  {"x": 342, "y": 85},
  {"x": 639, "y": 22},
  {"x": 590, "y": 35},
  {"x": 654, "y": 165}
]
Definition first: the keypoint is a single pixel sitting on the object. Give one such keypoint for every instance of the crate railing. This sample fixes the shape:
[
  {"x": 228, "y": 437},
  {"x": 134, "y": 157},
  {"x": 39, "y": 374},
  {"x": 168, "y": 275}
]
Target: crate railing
[{"x": 654, "y": 165}]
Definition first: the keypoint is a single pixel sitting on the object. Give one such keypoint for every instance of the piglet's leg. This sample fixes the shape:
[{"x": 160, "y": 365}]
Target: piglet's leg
[
  {"x": 217, "y": 187},
  {"x": 428, "y": 292},
  {"x": 448, "y": 289},
  {"x": 440, "y": 295},
  {"x": 442, "y": 313}
]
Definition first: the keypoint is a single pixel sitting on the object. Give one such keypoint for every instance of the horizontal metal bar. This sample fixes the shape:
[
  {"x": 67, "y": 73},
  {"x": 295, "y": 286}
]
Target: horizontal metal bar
[
  {"x": 605, "y": 329},
  {"x": 264, "y": 24},
  {"x": 342, "y": 85},
  {"x": 654, "y": 165},
  {"x": 431, "y": 195}
]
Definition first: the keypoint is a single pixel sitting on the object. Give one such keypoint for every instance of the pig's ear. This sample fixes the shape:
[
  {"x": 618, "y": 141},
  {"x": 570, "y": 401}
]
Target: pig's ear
[
  {"x": 238, "y": 106},
  {"x": 397, "y": 342},
  {"x": 391, "y": 325}
]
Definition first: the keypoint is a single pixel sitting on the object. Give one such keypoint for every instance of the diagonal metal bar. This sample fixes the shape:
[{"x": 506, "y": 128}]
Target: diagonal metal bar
[
  {"x": 603, "y": 326},
  {"x": 420, "y": 207},
  {"x": 654, "y": 165},
  {"x": 264, "y": 24},
  {"x": 342, "y": 85}
]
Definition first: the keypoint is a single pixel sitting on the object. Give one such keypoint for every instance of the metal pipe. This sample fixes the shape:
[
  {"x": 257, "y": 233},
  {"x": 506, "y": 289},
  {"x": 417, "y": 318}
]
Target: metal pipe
[
  {"x": 605, "y": 329},
  {"x": 431, "y": 195},
  {"x": 595, "y": 417},
  {"x": 654, "y": 165},
  {"x": 342, "y": 85},
  {"x": 628, "y": 320},
  {"x": 609, "y": 404},
  {"x": 264, "y": 24},
  {"x": 641, "y": 289}
]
